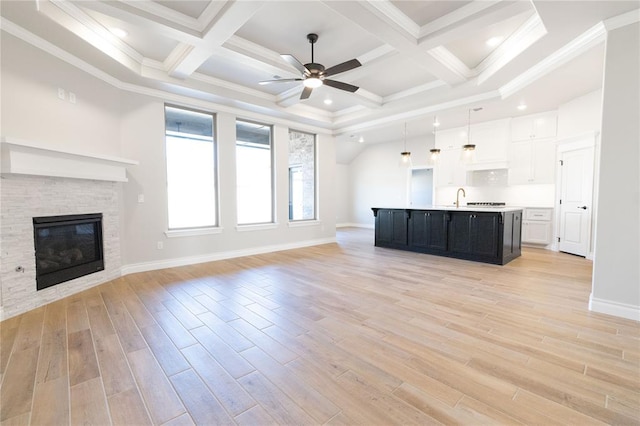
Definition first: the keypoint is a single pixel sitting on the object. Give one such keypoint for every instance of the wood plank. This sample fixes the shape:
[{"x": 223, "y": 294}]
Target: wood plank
[
  {"x": 18, "y": 383},
  {"x": 168, "y": 356},
  {"x": 174, "y": 329},
  {"x": 51, "y": 402},
  {"x": 227, "y": 333},
  {"x": 317, "y": 405},
  {"x": 88, "y": 404},
  {"x": 127, "y": 408},
  {"x": 160, "y": 398},
  {"x": 30, "y": 330},
  {"x": 115, "y": 372},
  {"x": 83, "y": 364},
  {"x": 203, "y": 407},
  {"x": 232, "y": 396},
  {"x": 255, "y": 416},
  {"x": 278, "y": 405},
  {"x": 52, "y": 362},
  {"x": 232, "y": 362}
]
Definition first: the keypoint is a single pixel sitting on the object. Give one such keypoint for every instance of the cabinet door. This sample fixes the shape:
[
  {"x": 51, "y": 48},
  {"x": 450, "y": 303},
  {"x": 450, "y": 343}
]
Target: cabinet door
[
  {"x": 521, "y": 129},
  {"x": 544, "y": 161},
  {"x": 429, "y": 230},
  {"x": 450, "y": 171},
  {"x": 384, "y": 227},
  {"x": 545, "y": 126},
  {"x": 485, "y": 234},
  {"x": 536, "y": 232},
  {"x": 391, "y": 227},
  {"x": 491, "y": 140},
  {"x": 520, "y": 164},
  {"x": 399, "y": 234},
  {"x": 460, "y": 233}
]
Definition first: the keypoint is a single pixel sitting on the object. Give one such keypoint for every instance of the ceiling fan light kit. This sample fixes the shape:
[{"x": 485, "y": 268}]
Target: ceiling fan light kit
[{"x": 315, "y": 75}]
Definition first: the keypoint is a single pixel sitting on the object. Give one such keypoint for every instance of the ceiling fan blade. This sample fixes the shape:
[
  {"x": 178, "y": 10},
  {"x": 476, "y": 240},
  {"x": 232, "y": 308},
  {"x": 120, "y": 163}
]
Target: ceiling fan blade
[
  {"x": 296, "y": 64},
  {"x": 340, "y": 85},
  {"x": 345, "y": 66},
  {"x": 306, "y": 92},
  {"x": 280, "y": 80}
]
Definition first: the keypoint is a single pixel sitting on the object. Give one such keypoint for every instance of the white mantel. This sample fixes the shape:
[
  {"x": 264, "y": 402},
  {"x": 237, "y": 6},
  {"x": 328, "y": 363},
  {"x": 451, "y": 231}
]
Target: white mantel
[{"x": 32, "y": 158}]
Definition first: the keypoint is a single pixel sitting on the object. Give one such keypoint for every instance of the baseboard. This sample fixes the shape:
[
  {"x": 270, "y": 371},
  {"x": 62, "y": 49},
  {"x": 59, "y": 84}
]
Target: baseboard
[
  {"x": 211, "y": 257},
  {"x": 354, "y": 225},
  {"x": 623, "y": 310}
]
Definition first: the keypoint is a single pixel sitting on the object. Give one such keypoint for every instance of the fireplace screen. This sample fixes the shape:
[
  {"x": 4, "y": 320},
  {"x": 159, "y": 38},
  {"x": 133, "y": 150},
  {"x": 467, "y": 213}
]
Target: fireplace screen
[{"x": 67, "y": 247}]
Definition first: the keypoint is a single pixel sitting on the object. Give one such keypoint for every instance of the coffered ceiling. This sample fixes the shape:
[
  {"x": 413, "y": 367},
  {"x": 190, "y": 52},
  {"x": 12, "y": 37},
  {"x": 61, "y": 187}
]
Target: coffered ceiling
[{"x": 419, "y": 58}]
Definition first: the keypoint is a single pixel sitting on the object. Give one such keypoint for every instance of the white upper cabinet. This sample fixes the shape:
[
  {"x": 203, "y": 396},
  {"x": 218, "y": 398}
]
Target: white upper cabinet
[
  {"x": 492, "y": 144},
  {"x": 450, "y": 171},
  {"x": 537, "y": 126},
  {"x": 533, "y": 162}
]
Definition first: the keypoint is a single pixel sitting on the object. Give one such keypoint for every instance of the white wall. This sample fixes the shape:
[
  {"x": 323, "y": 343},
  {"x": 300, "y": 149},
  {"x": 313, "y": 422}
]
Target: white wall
[
  {"x": 145, "y": 223},
  {"x": 581, "y": 115},
  {"x": 616, "y": 275},
  {"x": 106, "y": 120},
  {"x": 32, "y": 111},
  {"x": 341, "y": 195},
  {"x": 378, "y": 181}
]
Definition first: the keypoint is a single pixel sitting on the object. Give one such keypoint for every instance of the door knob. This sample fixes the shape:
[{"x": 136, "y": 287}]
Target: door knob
[{"x": 583, "y": 207}]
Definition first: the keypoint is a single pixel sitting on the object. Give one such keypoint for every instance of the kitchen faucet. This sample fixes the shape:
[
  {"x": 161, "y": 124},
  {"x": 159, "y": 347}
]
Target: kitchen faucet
[{"x": 458, "y": 196}]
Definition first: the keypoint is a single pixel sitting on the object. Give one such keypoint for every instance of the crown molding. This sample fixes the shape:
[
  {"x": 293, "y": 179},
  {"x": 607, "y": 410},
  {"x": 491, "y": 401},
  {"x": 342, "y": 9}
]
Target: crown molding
[
  {"x": 623, "y": 20},
  {"x": 590, "y": 38}
]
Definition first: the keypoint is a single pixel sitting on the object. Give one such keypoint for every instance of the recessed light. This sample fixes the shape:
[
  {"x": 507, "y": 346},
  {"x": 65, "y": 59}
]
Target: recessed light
[
  {"x": 494, "y": 41},
  {"x": 361, "y": 139},
  {"x": 119, "y": 32},
  {"x": 521, "y": 107},
  {"x": 328, "y": 101}
]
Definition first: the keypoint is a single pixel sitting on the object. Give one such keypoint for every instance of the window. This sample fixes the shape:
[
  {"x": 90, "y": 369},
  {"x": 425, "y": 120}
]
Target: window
[
  {"x": 191, "y": 168},
  {"x": 302, "y": 176},
  {"x": 254, "y": 175}
]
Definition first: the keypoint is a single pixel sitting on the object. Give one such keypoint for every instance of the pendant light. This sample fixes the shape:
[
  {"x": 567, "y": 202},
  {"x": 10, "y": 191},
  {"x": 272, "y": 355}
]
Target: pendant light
[
  {"x": 405, "y": 156},
  {"x": 434, "y": 152},
  {"x": 468, "y": 149}
]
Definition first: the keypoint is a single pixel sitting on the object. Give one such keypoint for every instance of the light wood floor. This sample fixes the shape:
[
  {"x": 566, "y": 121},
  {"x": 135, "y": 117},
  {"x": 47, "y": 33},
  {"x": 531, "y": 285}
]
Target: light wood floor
[{"x": 340, "y": 334}]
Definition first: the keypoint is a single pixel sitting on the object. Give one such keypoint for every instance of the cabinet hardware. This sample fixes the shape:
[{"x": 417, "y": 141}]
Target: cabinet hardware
[{"x": 583, "y": 207}]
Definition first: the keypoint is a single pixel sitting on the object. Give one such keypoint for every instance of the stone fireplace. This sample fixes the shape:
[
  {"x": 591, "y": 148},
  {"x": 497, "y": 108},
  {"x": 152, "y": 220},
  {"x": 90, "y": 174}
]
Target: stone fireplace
[{"x": 64, "y": 184}]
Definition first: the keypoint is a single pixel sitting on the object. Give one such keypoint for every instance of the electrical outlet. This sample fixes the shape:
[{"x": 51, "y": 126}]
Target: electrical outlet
[
  {"x": 72, "y": 97},
  {"x": 62, "y": 94},
  {"x": 160, "y": 245},
  {"x": 141, "y": 198}
]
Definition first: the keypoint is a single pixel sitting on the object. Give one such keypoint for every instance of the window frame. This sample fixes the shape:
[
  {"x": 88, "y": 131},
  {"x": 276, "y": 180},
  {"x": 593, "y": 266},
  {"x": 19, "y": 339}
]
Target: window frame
[
  {"x": 215, "y": 228},
  {"x": 314, "y": 219},
  {"x": 272, "y": 222}
]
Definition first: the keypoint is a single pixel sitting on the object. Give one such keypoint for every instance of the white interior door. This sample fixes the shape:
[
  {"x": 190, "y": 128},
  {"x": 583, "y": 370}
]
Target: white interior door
[{"x": 576, "y": 200}]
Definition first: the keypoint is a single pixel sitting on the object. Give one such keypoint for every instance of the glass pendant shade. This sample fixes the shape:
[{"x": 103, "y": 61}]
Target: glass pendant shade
[
  {"x": 468, "y": 153},
  {"x": 434, "y": 156},
  {"x": 405, "y": 159}
]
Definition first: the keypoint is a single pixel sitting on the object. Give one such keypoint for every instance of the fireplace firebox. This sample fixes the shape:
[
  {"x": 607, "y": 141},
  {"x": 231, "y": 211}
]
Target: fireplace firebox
[{"x": 67, "y": 247}]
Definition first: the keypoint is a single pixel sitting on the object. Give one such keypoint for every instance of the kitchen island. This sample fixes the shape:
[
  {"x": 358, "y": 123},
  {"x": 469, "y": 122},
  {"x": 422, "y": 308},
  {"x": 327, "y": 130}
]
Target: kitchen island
[{"x": 481, "y": 234}]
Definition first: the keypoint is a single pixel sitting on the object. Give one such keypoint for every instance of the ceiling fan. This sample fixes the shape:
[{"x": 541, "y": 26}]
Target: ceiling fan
[{"x": 315, "y": 75}]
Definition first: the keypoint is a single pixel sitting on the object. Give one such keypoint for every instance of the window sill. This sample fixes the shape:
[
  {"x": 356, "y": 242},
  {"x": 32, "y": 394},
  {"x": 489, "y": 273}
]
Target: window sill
[
  {"x": 176, "y": 233},
  {"x": 257, "y": 227},
  {"x": 302, "y": 223}
]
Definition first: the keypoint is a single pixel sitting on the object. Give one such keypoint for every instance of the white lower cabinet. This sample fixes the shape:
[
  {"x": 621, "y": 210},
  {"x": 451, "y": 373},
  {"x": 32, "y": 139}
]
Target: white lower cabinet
[{"x": 537, "y": 225}]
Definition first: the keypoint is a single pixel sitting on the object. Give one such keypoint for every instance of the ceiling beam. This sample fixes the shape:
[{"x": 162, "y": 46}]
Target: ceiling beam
[{"x": 223, "y": 26}]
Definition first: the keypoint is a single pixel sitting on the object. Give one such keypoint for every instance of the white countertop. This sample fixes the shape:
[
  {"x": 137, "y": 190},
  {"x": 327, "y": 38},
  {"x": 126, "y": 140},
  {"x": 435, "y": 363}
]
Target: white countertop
[{"x": 453, "y": 208}]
